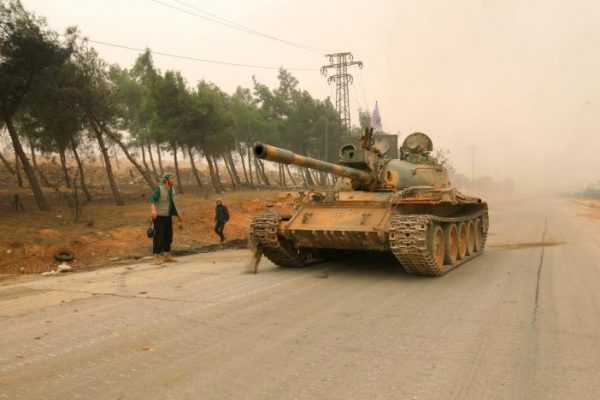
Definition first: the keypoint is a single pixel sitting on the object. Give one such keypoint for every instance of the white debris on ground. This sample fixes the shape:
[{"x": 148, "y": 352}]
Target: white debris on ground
[{"x": 63, "y": 267}]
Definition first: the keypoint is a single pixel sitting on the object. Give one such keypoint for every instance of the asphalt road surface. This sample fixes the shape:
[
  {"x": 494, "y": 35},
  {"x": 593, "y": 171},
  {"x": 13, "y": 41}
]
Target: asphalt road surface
[{"x": 520, "y": 322}]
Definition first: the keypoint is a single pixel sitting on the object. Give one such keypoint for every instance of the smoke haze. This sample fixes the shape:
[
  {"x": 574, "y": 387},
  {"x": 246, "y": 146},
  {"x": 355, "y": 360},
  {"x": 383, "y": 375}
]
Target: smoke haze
[{"x": 516, "y": 81}]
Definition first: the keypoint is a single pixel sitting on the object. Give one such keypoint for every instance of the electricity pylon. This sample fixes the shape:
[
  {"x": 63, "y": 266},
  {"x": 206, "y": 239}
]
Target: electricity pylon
[{"x": 341, "y": 62}]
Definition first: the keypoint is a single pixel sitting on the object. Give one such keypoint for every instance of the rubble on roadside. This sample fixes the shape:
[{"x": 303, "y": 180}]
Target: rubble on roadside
[{"x": 61, "y": 268}]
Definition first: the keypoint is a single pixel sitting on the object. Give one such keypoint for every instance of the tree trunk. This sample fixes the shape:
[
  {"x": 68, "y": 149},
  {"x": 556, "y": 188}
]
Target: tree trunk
[
  {"x": 217, "y": 173},
  {"x": 63, "y": 165},
  {"x": 211, "y": 172},
  {"x": 305, "y": 183},
  {"x": 36, "y": 169},
  {"x": 114, "y": 153},
  {"x": 179, "y": 185},
  {"x": 257, "y": 171},
  {"x": 109, "y": 173},
  {"x": 241, "y": 152},
  {"x": 132, "y": 160},
  {"x": 313, "y": 176},
  {"x": 7, "y": 164},
  {"x": 261, "y": 168},
  {"x": 250, "y": 168},
  {"x": 308, "y": 177},
  {"x": 283, "y": 180},
  {"x": 88, "y": 196},
  {"x": 160, "y": 166},
  {"x": 193, "y": 164},
  {"x": 287, "y": 168},
  {"x": 279, "y": 182},
  {"x": 228, "y": 167},
  {"x": 236, "y": 177},
  {"x": 18, "y": 170},
  {"x": 156, "y": 177},
  {"x": 323, "y": 176},
  {"x": 319, "y": 178},
  {"x": 144, "y": 163},
  {"x": 19, "y": 178},
  {"x": 38, "y": 195}
]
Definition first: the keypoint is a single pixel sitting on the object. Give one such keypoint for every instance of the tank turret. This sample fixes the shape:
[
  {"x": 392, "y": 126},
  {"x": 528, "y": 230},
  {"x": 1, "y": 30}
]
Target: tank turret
[{"x": 367, "y": 169}]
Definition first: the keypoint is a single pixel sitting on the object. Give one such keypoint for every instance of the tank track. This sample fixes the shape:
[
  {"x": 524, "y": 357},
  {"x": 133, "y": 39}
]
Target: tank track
[
  {"x": 263, "y": 231},
  {"x": 408, "y": 241}
]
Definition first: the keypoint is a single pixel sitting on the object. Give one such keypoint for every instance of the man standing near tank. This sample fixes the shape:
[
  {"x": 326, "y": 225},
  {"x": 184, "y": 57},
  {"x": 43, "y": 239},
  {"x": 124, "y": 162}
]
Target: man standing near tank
[
  {"x": 163, "y": 208},
  {"x": 221, "y": 217}
]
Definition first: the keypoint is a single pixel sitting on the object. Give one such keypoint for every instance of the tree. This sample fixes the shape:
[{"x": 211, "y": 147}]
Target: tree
[
  {"x": 121, "y": 120},
  {"x": 29, "y": 55},
  {"x": 95, "y": 102},
  {"x": 134, "y": 89},
  {"x": 144, "y": 73},
  {"x": 364, "y": 119},
  {"x": 213, "y": 124},
  {"x": 50, "y": 117},
  {"x": 170, "y": 120},
  {"x": 248, "y": 124},
  {"x": 303, "y": 124}
]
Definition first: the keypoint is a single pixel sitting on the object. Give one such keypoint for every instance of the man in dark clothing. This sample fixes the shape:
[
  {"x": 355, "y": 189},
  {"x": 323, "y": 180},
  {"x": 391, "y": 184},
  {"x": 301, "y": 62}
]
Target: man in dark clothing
[
  {"x": 163, "y": 208},
  {"x": 221, "y": 216}
]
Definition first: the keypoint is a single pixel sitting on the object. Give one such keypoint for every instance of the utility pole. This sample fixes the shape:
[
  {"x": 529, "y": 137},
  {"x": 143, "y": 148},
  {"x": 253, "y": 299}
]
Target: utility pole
[{"x": 341, "y": 62}]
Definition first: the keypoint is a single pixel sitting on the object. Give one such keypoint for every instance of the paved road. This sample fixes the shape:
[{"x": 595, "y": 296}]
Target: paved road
[{"x": 521, "y": 322}]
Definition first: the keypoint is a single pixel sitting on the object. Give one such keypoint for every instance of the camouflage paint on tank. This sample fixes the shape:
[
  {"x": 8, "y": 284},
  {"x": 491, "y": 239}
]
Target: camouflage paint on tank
[{"x": 378, "y": 205}]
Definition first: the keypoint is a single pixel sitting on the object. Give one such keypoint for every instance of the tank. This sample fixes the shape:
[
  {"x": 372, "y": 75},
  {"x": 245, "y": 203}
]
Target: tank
[{"x": 405, "y": 206}]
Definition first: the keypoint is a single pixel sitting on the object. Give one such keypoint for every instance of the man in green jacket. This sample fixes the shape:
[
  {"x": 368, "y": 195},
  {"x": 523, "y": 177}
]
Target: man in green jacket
[{"x": 163, "y": 208}]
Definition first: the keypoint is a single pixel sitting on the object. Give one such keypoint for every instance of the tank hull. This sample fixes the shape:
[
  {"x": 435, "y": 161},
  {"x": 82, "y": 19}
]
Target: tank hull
[
  {"x": 404, "y": 206},
  {"x": 396, "y": 222}
]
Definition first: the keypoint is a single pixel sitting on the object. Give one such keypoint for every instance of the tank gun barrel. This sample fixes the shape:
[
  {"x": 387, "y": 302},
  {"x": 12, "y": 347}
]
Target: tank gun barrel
[{"x": 282, "y": 156}]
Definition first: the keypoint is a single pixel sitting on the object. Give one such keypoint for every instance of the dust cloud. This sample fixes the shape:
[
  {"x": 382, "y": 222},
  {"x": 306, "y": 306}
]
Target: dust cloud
[{"x": 510, "y": 88}]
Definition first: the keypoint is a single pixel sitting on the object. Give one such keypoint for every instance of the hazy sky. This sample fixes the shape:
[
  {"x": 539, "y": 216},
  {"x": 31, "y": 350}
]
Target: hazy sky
[{"x": 518, "y": 79}]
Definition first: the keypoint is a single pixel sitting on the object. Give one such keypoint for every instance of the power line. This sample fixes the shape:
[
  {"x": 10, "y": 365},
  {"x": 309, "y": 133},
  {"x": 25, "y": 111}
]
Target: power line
[
  {"x": 204, "y": 60},
  {"x": 222, "y": 21},
  {"x": 361, "y": 82},
  {"x": 233, "y": 24},
  {"x": 357, "y": 99}
]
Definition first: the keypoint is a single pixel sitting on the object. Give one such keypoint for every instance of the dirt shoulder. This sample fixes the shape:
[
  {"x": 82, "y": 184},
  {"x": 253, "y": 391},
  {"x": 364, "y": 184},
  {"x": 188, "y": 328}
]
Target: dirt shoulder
[
  {"x": 106, "y": 234},
  {"x": 592, "y": 207}
]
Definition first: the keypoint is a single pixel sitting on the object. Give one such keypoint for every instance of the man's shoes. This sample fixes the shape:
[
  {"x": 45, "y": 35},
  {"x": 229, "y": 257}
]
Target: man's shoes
[
  {"x": 158, "y": 259},
  {"x": 168, "y": 257},
  {"x": 222, "y": 239}
]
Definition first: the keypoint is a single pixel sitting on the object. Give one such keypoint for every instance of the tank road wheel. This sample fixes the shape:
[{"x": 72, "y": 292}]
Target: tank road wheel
[
  {"x": 462, "y": 240},
  {"x": 436, "y": 245},
  {"x": 478, "y": 236},
  {"x": 451, "y": 243},
  {"x": 470, "y": 238}
]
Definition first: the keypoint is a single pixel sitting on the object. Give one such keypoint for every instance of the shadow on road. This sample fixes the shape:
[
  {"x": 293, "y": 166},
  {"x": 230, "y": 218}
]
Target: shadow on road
[{"x": 357, "y": 264}]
